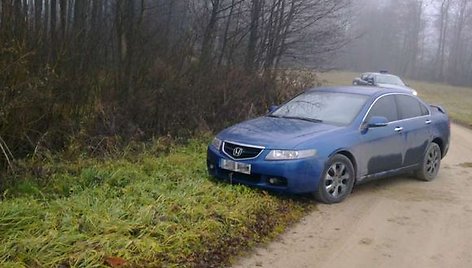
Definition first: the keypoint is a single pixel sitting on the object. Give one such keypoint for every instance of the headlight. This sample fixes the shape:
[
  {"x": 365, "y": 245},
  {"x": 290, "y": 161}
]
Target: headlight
[
  {"x": 414, "y": 92},
  {"x": 289, "y": 155},
  {"x": 216, "y": 143}
]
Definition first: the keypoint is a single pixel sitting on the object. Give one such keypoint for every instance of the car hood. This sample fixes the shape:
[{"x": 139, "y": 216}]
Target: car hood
[{"x": 275, "y": 133}]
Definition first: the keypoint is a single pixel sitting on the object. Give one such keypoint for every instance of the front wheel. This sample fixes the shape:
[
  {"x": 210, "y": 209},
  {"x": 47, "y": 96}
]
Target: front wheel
[
  {"x": 337, "y": 180},
  {"x": 431, "y": 162}
]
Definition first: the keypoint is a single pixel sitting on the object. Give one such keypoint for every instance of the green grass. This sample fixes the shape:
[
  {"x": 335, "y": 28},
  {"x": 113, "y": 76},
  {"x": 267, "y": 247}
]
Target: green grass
[
  {"x": 142, "y": 209},
  {"x": 456, "y": 100},
  {"x": 149, "y": 208}
]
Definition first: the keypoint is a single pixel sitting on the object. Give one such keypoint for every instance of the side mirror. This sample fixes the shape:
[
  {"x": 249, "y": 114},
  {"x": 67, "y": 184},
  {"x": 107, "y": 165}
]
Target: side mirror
[
  {"x": 273, "y": 108},
  {"x": 377, "y": 121},
  {"x": 370, "y": 81}
]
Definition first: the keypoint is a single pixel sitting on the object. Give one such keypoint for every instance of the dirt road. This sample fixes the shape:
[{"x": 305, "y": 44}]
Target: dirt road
[{"x": 395, "y": 222}]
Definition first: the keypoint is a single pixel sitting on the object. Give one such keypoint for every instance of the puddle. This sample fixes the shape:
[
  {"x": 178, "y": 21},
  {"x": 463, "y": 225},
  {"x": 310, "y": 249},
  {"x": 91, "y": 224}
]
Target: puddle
[{"x": 466, "y": 165}]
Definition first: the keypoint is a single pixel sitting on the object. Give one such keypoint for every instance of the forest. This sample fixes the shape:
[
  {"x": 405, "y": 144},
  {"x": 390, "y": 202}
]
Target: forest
[
  {"x": 107, "y": 108},
  {"x": 429, "y": 40},
  {"x": 89, "y": 75},
  {"x": 92, "y": 75}
]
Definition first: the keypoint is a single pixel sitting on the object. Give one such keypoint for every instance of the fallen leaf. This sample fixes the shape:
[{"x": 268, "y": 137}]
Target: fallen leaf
[{"x": 115, "y": 261}]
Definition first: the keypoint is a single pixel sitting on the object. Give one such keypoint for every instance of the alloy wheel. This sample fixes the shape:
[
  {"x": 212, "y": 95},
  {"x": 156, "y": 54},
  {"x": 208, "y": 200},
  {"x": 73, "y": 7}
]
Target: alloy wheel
[
  {"x": 432, "y": 161},
  {"x": 337, "y": 179}
]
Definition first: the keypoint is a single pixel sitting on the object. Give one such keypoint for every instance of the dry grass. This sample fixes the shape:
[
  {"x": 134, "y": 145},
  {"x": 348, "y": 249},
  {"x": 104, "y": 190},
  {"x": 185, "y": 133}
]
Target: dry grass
[
  {"x": 456, "y": 100},
  {"x": 466, "y": 165},
  {"x": 142, "y": 210}
]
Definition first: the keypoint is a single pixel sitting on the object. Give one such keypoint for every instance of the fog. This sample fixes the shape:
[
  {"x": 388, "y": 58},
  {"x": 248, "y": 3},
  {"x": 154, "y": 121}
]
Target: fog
[
  {"x": 421, "y": 39},
  {"x": 138, "y": 68}
]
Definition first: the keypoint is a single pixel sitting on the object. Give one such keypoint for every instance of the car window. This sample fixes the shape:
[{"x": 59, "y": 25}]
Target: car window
[
  {"x": 327, "y": 107},
  {"x": 389, "y": 79},
  {"x": 409, "y": 107},
  {"x": 386, "y": 107},
  {"x": 424, "y": 109}
]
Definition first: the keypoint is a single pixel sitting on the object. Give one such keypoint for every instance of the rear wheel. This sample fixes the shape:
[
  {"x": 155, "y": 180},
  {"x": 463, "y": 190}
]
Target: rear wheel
[
  {"x": 431, "y": 163},
  {"x": 337, "y": 180}
]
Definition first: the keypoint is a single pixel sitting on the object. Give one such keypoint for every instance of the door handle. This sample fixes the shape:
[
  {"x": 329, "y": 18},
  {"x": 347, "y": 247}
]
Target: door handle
[
  {"x": 398, "y": 129},
  {"x": 428, "y": 122}
]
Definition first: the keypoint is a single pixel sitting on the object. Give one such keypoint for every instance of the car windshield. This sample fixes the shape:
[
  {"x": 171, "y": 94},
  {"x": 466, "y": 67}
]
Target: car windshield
[
  {"x": 390, "y": 79},
  {"x": 318, "y": 106}
]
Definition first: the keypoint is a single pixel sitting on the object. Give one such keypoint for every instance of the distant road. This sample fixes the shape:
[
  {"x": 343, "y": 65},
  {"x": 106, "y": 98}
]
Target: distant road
[{"x": 395, "y": 222}]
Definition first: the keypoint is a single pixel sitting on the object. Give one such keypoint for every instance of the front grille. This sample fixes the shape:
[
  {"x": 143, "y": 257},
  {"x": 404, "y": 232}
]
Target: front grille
[{"x": 238, "y": 151}]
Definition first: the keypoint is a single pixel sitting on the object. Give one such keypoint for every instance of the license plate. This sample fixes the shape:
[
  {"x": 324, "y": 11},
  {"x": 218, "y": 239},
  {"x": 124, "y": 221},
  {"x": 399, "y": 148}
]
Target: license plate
[{"x": 235, "y": 166}]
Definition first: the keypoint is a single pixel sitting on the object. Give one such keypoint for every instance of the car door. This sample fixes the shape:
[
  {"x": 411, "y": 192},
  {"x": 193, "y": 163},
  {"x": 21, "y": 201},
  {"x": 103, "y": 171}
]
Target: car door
[
  {"x": 363, "y": 78},
  {"x": 370, "y": 80},
  {"x": 415, "y": 121},
  {"x": 381, "y": 148}
]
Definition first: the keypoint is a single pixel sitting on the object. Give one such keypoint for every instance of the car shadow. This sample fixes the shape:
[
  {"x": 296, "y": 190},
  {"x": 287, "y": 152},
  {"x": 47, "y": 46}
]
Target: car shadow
[
  {"x": 359, "y": 189},
  {"x": 384, "y": 183}
]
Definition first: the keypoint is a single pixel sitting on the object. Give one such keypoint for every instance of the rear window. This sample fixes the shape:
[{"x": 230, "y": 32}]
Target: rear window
[
  {"x": 389, "y": 79},
  {"x": 409, "y": 107}
]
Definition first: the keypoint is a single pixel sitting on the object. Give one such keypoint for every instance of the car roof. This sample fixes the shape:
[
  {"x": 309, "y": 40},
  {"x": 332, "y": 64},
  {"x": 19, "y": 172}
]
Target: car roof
[
  {"x": 361, "y": 90},
  {"x": 384, "y": 74}
]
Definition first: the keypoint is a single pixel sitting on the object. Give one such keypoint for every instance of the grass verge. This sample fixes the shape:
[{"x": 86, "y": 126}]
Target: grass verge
[
  {"x": 137, "y": 211},
  {"x": 456, "y": 100}
]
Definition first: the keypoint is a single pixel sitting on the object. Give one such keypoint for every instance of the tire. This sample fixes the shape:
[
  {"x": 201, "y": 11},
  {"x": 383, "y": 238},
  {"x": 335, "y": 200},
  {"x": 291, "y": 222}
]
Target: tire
[
  {"x": 336, "y": 181},
  {"x": 431, "y": 163}
]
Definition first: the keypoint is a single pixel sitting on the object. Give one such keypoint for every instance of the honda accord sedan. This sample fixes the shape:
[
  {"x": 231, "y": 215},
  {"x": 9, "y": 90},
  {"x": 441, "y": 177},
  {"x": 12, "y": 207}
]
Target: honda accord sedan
[{"x": 326, "y": 140}]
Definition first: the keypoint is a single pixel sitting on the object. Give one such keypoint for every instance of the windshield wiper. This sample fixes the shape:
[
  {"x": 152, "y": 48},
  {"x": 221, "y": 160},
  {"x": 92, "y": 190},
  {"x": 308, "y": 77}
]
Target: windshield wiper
[{"x": 313, "y": 120}]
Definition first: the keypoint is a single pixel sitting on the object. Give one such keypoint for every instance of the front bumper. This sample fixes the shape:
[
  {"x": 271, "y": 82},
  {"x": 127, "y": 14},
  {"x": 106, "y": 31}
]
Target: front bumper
[{"x": 292, "y": 176}]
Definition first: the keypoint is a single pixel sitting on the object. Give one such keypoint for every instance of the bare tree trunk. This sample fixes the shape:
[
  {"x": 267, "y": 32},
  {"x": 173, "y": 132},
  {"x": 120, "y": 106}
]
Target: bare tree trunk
[
  {"x": 410, "y": 49},
  {"x": 208, "y": 36},
  {"x": 167, "y": 26},
  {"x": 456, "y": 45},
  {"x": 53, "y": 45},
  {"x": 416, "y": 40},
  {"x": 46, "y": 12},
  {"x": 8, "y": 18},
  {"x": 274, "y": 33},
  {"x": 226, "y": 32},
  {"x": 234, "y": 44},
  {"x": 63, "y": 16},
  {"x": 443, "y": 30},
  {"x": 38, "y": 10},
  {"x": 253, "y": 35},
  {"x": 286, "y": 31}
]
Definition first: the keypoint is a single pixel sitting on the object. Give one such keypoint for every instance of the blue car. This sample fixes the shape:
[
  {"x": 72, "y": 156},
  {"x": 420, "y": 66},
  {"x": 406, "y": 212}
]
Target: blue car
[{"x": 326, "y": 140}]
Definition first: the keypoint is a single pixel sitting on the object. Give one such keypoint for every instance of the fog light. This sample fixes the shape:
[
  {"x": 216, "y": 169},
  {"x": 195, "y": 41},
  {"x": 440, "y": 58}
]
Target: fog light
[
  {"x": 277, "y": 181},
  {"x": 211, "y": 166}
]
